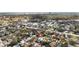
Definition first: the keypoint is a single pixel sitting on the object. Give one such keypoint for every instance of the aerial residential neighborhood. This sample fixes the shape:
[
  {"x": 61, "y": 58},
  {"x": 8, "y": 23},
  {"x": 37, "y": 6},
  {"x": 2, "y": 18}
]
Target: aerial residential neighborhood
[{"x": 39, "y": 30}]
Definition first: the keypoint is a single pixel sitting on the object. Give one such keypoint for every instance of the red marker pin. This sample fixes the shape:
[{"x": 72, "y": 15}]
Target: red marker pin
[{"x": 40, "y": 35}]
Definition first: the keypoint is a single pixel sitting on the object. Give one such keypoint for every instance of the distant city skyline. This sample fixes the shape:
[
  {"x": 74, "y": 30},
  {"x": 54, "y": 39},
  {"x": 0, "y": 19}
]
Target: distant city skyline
[{"x": 53, "y": 13}]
